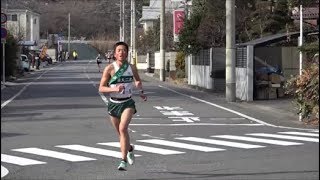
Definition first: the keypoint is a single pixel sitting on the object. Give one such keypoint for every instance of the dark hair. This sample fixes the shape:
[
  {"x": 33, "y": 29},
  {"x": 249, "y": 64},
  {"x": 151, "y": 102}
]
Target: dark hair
[{"x": 119, "y": 44}]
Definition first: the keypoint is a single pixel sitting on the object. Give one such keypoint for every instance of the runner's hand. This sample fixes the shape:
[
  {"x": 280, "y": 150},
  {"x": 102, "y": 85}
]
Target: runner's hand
[
  {"x": 120, "y": 88},
  {"x": 143, "y": 96}
]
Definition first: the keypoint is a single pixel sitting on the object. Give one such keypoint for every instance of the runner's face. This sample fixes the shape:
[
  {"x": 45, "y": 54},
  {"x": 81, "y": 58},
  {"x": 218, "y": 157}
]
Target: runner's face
[{"x": 121, "y": 53}]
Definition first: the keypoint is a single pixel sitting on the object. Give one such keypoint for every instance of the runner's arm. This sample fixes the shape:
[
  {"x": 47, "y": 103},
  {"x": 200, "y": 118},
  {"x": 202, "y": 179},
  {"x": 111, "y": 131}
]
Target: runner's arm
[
  {"x": 104, "y": 86},
  {"x": 136, "y": 76}
]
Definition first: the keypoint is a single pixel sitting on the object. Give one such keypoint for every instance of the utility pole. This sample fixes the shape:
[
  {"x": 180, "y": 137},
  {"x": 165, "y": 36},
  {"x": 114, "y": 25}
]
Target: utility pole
[
  {"x": 69, "y": 34},
  {"x": 121, "y": 38},
  {"x": 230, "y": 51},
  {"x": 162, "y": 41},
  {"x": 133, "y": 32},
  {"x": 186, "y": 10},
  {"x": 123, "y": 20},
  {"x": 300, "y": 44},
  {"x": 4, "y": 63},
  {"x": 4, "y": 52},
  {"x": 120, "y": 24}
]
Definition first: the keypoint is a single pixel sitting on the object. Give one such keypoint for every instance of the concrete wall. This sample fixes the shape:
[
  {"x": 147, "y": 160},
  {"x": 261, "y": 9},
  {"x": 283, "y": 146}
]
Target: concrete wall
[
  {"x": 290, "y": 61},
  {"x": 142, "y": 62},
  {"x": 287, "y": 58},
  {"x": 241, "y": 83},
  {"x": 200, "y": 76},
  {"x": 169, "y": 56}
]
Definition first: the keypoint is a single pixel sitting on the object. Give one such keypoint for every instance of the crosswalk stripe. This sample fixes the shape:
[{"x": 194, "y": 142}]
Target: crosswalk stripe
[
  {"x": 93, "y": 150},
  {"x": 285, "y": 137},
  {"x": 54, "y": 154},
  {"x": 145, "y": 149},
  {"x": 300, "y": 133},
  {"x": 316, "y": 131},
  {"x": 260, "y": 140},
  {"x": 181, "y": 145},
  {"x": 220, "y": 142},
  {"x": 19, "y": 160}
]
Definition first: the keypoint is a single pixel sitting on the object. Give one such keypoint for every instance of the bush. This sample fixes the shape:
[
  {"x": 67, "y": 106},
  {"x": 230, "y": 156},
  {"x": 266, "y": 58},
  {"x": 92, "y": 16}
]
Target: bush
[
  {"x": 180, "y": 61},
  {"x": 180, "y": 73},
  {"x": 305, "y": 87},
  {"x": 11, "y": 48}
]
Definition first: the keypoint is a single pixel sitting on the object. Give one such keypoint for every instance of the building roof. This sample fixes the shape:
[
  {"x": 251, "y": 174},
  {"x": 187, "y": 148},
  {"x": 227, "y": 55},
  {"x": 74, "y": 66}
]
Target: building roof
[
  {"x": 22, "y": 11},
  {"x": 307, "y": 13},
  {"x": 275, "y": 38}
]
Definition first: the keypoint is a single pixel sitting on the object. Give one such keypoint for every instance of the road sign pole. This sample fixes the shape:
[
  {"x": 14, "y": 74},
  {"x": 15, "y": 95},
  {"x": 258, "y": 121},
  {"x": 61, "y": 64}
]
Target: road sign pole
[{"x": 4, "y": 64}]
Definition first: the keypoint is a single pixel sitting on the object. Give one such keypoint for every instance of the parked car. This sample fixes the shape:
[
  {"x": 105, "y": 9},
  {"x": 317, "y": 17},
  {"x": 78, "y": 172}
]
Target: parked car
[{"x": 25, "y": 62}]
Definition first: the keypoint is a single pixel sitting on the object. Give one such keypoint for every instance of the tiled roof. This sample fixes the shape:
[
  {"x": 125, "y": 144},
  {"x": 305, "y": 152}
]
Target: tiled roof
[{"x": 307, "y": 13}]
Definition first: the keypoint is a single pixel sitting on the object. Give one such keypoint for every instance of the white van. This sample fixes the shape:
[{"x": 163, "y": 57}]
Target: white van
[
  {"x": 52, "y": 54},
  {"x": 25, "y": 62}
]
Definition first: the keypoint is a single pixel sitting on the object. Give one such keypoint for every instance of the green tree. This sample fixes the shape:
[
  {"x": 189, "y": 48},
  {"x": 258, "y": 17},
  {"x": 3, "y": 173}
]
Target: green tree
[
  {"x": 11, "y": 49},
  {"x": 268, "y": 17},
  {"x": 206, "y": 26},
  {"x": 150, "y": 40}
]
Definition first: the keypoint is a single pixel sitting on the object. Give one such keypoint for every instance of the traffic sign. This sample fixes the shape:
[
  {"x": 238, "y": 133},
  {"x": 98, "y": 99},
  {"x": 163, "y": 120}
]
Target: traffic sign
[
  {"x": 3, "y": 32},
  {"x": 3, "y": 18}
]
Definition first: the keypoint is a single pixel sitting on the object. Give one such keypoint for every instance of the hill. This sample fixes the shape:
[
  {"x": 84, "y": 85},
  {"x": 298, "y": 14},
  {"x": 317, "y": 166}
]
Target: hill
[{"x": 89, "y": 18}]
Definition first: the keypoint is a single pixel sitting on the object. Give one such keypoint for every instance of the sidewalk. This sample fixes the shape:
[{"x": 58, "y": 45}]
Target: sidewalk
[
  {"x": 11, "y": 81},
  {"x": 283, "y": 109}
]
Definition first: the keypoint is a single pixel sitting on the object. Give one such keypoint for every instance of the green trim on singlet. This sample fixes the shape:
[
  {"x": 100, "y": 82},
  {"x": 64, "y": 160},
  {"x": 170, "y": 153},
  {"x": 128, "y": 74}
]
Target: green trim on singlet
[{"x": 119, "y": 73}]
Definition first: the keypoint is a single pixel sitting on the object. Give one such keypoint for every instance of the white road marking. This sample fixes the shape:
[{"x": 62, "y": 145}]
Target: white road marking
[
  {"x": 58, "y": 83},
  {"x": 149, "y": 136},
  {"x": 24, "y": 88},
  {"x": 19, "y": 160},
  {"x": 4, "y": 171},
  {"x": 220, "y": 142},
  {"x": 181, "y": 145},
  {"x": 54, "y": 154},
  {"x": 260, "y": 140},
  {"x": 232, "y": 111},
  {"x": 196, "y": 124},
  {"x": 285, "y": 137},
  {"x": 234, "y": 118},
  {"x": 146, "y": 149},
  {"x": 185, "y": 119},
  {"x": 314, "y": 130},
  {"x": 176, "y": 113},
  {"x": 46, "y": 77},
  {"x": 93, "y": 150},
  {"x": 300, "y": 133},
  {"x": 168, "y": 108}
]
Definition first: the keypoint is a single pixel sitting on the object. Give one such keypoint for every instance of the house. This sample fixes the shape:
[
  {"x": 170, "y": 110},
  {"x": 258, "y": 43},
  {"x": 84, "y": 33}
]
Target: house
[
  {"x": 310, "y": 14},
  {"x": 24, "y": 25},
  {"x": 152, "y": 12}
]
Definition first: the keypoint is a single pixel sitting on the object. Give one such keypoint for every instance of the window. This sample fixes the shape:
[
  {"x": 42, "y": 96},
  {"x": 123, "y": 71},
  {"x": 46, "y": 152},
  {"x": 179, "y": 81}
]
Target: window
[
  {"x": 28, "y": 18},
  {"x": 14, "y": 17},
  {"x": 35, "y": 21}
]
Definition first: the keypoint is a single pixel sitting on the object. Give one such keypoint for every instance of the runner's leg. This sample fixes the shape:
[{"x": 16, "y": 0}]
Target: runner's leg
[
  {"x": 123, "y": 130},
  {"x": 115, "y": 123}
]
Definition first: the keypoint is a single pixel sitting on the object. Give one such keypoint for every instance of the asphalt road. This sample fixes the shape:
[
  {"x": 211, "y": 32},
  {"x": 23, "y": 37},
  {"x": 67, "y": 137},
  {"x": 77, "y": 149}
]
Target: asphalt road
[{"x": 54, "y": 126}]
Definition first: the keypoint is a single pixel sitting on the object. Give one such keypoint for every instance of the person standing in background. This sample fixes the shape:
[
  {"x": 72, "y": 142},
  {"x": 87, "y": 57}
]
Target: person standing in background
[{"x": 99, "y": 61}]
